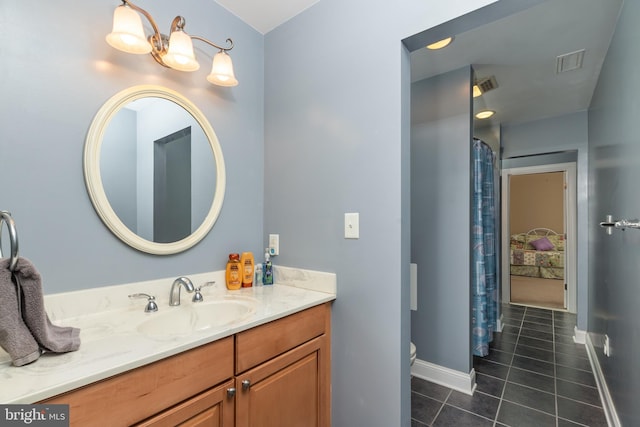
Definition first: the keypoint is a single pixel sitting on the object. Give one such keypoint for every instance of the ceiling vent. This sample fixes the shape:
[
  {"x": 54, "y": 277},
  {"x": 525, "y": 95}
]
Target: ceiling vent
[
  {"x": 569, "y": 61},
  {"x": 486, "y": 84}
]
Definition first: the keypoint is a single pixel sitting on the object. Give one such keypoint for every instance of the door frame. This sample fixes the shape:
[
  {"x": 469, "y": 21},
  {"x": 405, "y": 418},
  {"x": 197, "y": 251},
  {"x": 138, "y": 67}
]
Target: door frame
[{"x": 570, "y": 218}]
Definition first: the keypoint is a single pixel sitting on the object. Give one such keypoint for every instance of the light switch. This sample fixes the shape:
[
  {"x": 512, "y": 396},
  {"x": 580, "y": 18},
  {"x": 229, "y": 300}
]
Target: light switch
[{"x": 352, "y": 225}]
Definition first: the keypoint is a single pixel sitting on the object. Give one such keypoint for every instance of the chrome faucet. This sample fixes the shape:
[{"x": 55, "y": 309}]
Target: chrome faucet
[{"x": 174, "y": 298}]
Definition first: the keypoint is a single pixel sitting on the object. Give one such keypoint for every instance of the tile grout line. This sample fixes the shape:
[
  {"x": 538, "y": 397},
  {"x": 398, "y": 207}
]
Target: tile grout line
[
  {"x": 442, "y": 406},
  {"x": 504, "y": 387}
]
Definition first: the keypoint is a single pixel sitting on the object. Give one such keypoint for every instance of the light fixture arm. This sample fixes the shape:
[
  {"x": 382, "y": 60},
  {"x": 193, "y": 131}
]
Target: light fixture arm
[{"x": 225, "y": 49}]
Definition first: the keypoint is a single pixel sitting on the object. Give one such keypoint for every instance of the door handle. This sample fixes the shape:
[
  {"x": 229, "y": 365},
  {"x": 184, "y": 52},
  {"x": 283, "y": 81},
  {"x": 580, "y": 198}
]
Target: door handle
[{"x": 609, "y": 224}]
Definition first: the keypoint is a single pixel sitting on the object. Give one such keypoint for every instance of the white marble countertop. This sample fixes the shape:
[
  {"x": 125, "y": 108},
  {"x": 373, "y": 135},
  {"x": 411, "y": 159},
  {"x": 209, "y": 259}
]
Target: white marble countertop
[{"x": 109, "y": 321}]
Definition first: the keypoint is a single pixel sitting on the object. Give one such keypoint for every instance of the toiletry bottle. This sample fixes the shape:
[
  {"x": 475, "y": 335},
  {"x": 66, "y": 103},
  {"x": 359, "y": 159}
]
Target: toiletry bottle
[
  {"x": 247, "y": 269},
  {"x": 267, "y": 269},
  {"x": 234, "y": 272},
  {"x": 257, "y": 281}
]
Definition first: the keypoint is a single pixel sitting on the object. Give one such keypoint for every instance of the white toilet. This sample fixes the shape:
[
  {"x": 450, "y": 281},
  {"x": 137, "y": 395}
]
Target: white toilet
[{"x": 412, "y": 353}]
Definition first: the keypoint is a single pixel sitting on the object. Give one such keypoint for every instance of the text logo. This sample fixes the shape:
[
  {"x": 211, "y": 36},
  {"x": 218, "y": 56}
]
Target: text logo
[{"x": 34, "y": 415}]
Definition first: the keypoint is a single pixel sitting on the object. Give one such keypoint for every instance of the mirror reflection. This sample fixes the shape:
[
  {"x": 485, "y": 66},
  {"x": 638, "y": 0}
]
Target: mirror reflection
[{"x": 158, "y": 175}]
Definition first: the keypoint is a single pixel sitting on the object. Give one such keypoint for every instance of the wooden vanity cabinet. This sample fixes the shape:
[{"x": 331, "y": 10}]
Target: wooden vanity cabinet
[
  {"x": 131, "y": 397},
  {"x": 283, "y": 372},
  {"x": 276, "y": 374}
]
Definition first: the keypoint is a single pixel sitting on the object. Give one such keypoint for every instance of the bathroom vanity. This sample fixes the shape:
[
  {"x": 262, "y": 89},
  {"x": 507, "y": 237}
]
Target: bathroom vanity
[
  {"x": 274, "y": 374},
  {"x": 269, "y": 366}
]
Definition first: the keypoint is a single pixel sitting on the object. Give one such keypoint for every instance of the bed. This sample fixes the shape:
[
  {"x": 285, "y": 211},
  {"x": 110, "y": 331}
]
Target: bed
[{"x": 537, "y": 253}]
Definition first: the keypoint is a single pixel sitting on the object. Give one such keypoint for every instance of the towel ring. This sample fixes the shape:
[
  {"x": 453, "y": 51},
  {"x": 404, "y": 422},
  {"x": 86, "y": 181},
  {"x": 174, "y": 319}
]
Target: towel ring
[{"x": 5, "y": 216}]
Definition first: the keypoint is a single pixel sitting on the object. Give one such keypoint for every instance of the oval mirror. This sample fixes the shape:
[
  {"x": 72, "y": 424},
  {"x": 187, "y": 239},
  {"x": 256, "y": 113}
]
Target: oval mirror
[{"x": 154, "y": 169}]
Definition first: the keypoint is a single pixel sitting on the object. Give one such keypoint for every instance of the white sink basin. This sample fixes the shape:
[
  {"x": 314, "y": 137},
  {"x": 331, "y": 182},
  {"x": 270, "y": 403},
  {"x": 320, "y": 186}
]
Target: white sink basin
[{"x": 191, "y": 317}]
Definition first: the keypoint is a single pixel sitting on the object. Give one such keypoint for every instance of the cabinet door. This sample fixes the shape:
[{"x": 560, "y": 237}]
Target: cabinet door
[
  {"x": 286, "y": 391},
  {"x": 212, "y": 408}
]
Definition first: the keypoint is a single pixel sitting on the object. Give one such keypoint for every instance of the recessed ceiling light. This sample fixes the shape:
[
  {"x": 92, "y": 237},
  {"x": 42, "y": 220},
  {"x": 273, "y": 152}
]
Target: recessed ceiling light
[
  {"x": 485, "y": 114},
  {"x": 440, "y": 44},
  {"x": 476, "y": 91}
]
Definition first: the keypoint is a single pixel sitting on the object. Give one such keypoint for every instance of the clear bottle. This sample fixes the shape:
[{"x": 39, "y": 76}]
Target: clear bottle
[
  {"x": 257, "y": 281},
  {"x": 247, "y": 269},
  {"x": 267, "y": 269},
  {"x": 234, "y": 272}
]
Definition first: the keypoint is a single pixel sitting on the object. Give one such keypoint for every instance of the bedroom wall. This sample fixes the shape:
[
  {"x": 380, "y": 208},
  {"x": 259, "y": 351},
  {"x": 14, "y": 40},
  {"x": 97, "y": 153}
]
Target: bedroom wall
[
  {"x": 536, "y": 200},
  {"x": 614, "y": 171}
]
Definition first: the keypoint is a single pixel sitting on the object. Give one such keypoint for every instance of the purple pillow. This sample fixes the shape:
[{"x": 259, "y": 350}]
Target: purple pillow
[{"x": 542, "y": 244}]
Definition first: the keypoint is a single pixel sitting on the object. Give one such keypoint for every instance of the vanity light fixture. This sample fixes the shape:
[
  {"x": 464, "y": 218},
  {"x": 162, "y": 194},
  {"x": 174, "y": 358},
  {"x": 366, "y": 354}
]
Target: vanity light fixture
[
  {"x": 485, "y": 114},
  {"x": 441, "y": 44},
  {"x": 476, "y": 91},
  {"x": 175, "y": 51}
]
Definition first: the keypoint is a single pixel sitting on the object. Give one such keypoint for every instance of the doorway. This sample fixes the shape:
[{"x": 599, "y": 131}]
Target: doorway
[
  {"x": 538, "y": 236},
  {"x": 172, "y": 187}
]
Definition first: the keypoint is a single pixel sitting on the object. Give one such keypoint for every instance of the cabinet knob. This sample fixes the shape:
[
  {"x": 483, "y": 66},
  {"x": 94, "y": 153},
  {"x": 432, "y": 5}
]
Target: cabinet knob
[
  {"x": 246, "y": 384},
  {"x": 231, "y": 392}
]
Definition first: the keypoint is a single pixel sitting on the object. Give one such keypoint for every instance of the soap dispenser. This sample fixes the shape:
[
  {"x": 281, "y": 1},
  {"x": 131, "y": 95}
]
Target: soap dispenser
[{"x": 267, "y": 269}]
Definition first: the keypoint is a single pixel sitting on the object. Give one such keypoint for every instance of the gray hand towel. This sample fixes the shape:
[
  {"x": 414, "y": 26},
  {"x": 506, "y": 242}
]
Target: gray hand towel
[
  {"x": 57, "y": 339},
  {"x": 15, "y": 337}
]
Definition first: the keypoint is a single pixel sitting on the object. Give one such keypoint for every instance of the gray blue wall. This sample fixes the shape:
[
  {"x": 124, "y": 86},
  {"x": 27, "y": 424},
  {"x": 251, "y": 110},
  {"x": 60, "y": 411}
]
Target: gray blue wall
[
  {"x": 614, "y": 174},
  {"x": 57, "y": 71},
  {"x": 336, "y": 141},
  {"x": 561, "y": 133},
  {"x": 318, "y": 127},
  {"x": 440, "y": 222}
]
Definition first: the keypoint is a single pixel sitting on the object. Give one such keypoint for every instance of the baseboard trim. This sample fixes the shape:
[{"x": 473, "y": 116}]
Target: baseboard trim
[
  {"x": 457, "y": 380},
  {"x": 605, "y": 396},
  {"x": 579, "y": 336}
]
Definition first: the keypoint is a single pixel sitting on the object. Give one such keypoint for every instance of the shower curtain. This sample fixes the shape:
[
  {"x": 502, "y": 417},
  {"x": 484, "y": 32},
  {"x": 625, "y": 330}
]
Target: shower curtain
[{"x": 483, "y": 274}]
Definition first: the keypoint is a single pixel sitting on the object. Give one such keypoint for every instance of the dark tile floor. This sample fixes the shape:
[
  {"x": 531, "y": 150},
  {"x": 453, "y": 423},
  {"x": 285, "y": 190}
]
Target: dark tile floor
[{"x": 534, "y": 375}]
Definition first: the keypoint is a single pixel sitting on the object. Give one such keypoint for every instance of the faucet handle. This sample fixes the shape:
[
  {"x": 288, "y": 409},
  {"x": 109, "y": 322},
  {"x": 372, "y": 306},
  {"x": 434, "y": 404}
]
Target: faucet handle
[
  {"x": 151, "y": 302},
  {"x": 197, "y": 297}
]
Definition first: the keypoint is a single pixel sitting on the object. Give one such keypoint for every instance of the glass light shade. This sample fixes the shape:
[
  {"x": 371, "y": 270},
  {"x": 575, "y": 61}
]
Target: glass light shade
[
  {"x": 476, "y": 91},
  {"x": 180, "y": 54},
  {"x": 127, "y": 34},
  {"x": 222, "y": 70}
]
